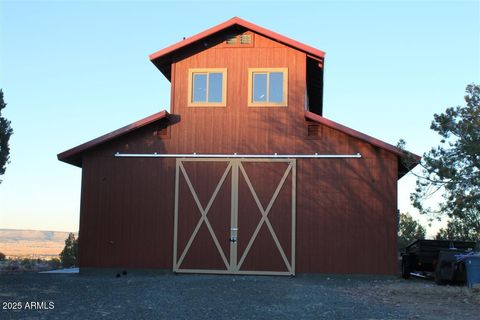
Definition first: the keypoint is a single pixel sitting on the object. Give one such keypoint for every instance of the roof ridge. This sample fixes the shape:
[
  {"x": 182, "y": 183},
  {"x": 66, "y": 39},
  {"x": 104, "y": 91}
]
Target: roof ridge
[{"x": 241, "y": 22}]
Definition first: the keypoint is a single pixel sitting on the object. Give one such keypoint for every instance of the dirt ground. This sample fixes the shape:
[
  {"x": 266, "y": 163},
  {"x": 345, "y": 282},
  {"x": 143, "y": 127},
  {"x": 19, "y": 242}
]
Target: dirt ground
[
  {"x": 169, "y": 296},
  {"x": 424, "y": 298}
]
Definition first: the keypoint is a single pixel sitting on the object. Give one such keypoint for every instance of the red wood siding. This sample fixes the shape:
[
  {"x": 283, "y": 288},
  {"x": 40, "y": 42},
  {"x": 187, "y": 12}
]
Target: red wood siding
[
  {"x": 346, "y": 208},
  {"x": 126, "y": 213},
  {"x": 343, "y": 206}
]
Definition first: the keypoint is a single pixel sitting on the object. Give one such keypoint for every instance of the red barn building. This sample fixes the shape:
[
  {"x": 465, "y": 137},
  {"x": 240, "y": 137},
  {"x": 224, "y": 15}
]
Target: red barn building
[{"x": 244, "y": 175}]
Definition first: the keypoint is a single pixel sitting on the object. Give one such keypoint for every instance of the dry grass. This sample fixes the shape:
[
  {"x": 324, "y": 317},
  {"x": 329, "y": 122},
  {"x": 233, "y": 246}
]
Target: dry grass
[{"x": 41, "y": 249}]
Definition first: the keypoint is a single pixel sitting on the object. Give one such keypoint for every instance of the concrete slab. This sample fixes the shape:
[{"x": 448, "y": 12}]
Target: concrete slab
[{"x": 62, "y": 271}]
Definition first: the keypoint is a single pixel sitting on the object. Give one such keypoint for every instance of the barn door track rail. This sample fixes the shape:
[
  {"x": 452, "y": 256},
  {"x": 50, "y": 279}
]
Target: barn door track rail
[{"x": 235, "y": 155}]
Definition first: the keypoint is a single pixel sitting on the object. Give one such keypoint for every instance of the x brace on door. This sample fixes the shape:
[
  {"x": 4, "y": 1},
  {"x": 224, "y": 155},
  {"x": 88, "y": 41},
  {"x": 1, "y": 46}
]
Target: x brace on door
[
  {"x": 204, "y": 218},
  {"x": 232, "y": 266},
  {"x": 265, "y": 217}
]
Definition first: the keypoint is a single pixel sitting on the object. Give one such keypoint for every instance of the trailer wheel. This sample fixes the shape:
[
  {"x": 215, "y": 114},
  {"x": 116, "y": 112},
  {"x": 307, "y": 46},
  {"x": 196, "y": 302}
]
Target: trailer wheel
[{"x": 405, "y": 267}]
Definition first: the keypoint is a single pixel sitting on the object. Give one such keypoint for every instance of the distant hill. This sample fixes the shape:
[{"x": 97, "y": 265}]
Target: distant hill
[{"x": 32, "y": 243}]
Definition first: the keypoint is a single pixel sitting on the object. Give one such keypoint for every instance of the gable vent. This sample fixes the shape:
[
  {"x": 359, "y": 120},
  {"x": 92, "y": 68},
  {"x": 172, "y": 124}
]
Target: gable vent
[
  {"x": 314, "y": 130},
  {"x": 241, "y": 40},
  {"x": 245, "y": 39}
]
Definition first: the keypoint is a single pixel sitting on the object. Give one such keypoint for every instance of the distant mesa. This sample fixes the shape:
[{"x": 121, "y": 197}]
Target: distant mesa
[{"x": 17, "y": 243}]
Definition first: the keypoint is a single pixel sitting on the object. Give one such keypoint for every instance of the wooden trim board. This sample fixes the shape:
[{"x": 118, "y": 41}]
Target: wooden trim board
[{"x": 234, "y": 263}]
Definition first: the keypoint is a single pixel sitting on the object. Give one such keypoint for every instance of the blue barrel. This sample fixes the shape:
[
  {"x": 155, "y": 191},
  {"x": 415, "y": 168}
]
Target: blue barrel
[{"x": 472, "y": 264}]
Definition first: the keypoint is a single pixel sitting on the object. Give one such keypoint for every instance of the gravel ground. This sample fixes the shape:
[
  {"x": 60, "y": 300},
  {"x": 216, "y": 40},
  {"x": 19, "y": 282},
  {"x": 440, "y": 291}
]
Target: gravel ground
[{"x": 169, "y": 296}]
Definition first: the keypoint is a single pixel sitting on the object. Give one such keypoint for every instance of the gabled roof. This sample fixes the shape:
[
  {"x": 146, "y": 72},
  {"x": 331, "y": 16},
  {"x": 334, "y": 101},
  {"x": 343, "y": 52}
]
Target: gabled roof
[
  {"x": 163, "y": 58},
  {"x": 402, "y": 155},
  {"x": 74, "y": 155}
]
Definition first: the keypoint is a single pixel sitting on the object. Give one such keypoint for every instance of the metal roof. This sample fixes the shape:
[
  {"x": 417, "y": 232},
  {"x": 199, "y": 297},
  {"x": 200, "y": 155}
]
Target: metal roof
[
  {"x": 404, "y": 167},
  {"x": 74, "y": 156},
  {"x": 163, "y": 58}
]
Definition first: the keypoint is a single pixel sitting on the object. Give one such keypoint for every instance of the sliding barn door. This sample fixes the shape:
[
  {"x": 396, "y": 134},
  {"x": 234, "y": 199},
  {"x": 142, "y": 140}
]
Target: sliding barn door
[
  {"x": 203, "y": 196},
  {"x": 235, "y": 216},
  {"x": 266, "y": 217}
]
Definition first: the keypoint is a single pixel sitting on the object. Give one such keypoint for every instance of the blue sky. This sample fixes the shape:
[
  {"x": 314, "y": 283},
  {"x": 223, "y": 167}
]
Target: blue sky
[{"x": 71, "y": 71}]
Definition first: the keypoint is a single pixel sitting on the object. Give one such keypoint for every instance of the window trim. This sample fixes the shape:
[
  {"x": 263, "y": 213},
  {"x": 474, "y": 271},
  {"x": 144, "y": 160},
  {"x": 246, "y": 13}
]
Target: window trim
[
  {"x": 250, "y": 101},
  {"x": 193, "y": 71}
]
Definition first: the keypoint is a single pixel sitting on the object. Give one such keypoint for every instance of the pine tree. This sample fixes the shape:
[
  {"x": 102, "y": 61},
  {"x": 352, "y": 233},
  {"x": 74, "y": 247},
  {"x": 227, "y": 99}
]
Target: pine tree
[
  {"x": 69, "y": 254},
  {"x": 409, "y": 230},
  {"x": 453, "y": 168},
  {"x": 5, "y": 132}
]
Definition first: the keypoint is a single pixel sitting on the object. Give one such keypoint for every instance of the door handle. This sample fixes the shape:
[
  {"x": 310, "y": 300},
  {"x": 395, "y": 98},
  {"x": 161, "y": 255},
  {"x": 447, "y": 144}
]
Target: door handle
[{"x": 233, "y": 239}]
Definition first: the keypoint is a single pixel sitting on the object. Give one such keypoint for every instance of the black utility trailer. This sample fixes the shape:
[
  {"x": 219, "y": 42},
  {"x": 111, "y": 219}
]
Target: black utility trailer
[{"x": 437, "y": 258}]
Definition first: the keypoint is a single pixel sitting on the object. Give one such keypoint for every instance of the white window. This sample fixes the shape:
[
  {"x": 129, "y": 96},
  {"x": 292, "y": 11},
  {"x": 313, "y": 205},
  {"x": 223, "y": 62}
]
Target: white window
[
  {"x": 267, "y": 87},
  {"x": 207, "y": 87}
]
